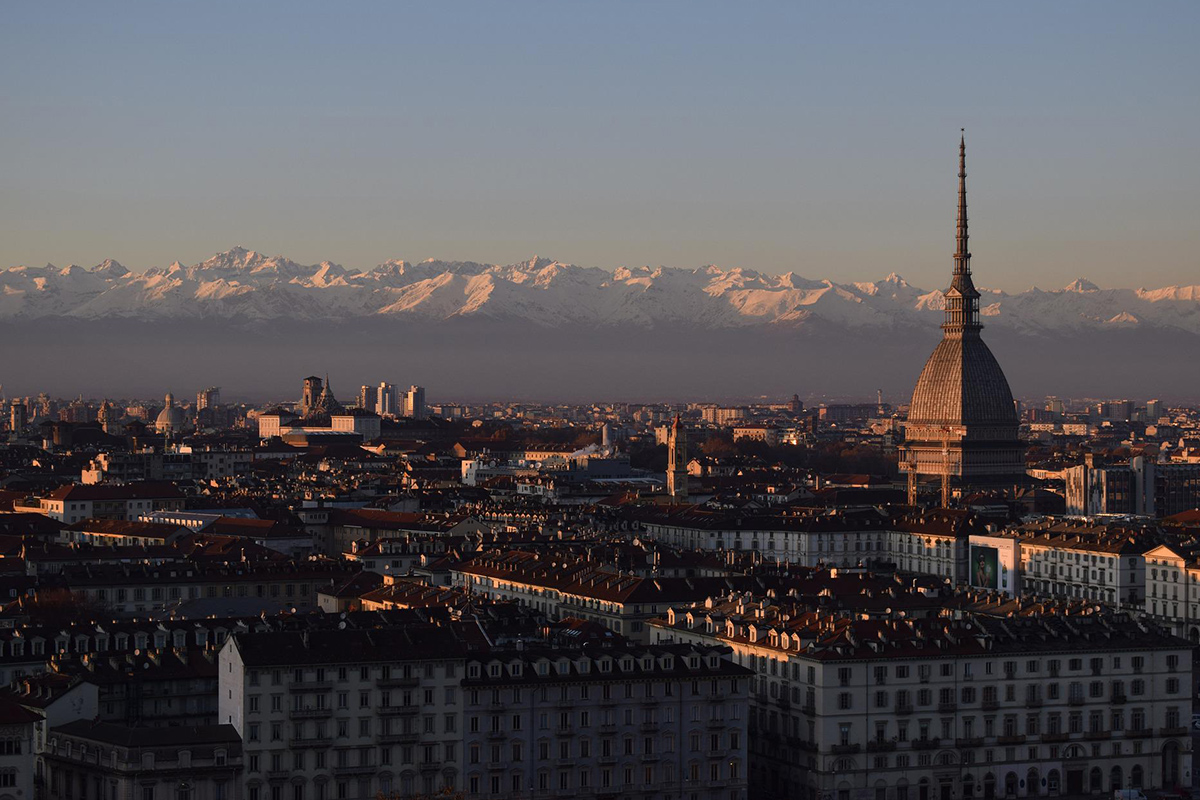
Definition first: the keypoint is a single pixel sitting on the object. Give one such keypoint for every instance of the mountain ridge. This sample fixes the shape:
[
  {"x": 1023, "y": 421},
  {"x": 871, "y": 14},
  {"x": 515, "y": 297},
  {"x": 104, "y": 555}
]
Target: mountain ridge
[{"x": 245, "y": 285}]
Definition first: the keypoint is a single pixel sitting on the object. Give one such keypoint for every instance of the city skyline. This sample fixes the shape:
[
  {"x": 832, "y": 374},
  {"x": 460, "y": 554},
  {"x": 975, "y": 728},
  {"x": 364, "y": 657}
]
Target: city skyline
[{"x": 792, "y": 479}]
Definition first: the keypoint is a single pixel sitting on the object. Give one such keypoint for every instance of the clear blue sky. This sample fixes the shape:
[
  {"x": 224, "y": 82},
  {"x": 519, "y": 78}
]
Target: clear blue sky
[{"x": 816, "y": 137}]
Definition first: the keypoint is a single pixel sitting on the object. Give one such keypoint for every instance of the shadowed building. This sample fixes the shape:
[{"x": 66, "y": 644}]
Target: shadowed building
[{"x": 962, "y": 423}]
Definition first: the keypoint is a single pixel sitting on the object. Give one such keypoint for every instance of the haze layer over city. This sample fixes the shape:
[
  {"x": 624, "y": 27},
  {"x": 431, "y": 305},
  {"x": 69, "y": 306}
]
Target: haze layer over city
[{"x": 542, "y": 401}]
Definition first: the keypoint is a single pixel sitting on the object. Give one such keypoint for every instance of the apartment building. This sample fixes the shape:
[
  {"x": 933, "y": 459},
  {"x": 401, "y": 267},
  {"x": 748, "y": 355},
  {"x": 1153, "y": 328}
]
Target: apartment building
[
  {"x": 942, "y": 709},
  {"x": 1140, "y": 487},
  {"x": 74, "y": 503},
  {"x": 346, "y": 714},
  {"x": 1173, "y": 590},
  {"x": 578, "y": 588},
  {"x": 17, "y": 741},
  {"x": 89, "y": 759},
  {"x": 138, "y": 589},
  {"x": 1105, "y": 563},
  {"x": 934, "y": 542},
  {"x": 665, "y": 721}
]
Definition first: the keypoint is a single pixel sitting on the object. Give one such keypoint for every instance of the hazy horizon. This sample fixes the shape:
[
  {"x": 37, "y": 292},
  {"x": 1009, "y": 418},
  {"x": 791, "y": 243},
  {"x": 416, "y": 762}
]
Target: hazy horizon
[{"x": 777, "y": 137}]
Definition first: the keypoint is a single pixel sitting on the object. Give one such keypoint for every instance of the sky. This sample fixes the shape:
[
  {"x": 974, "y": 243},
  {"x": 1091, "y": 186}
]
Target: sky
[{"x": 815, "y": 138}]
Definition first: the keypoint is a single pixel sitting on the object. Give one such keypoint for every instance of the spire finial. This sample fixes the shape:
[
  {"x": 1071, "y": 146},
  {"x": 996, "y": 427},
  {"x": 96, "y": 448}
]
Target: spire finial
[{"x": 962, "y": 257}]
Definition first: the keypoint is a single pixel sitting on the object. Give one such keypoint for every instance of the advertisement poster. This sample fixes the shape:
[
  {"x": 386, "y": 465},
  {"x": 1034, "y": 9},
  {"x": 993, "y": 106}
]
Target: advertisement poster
[{"x": 985, "y": 570}]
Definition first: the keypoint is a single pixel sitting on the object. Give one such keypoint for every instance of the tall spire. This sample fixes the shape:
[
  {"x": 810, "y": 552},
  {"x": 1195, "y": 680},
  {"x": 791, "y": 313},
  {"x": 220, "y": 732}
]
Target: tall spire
[
  {"x": 962, "y": 299},
  {"x": 962, "y": 256}
]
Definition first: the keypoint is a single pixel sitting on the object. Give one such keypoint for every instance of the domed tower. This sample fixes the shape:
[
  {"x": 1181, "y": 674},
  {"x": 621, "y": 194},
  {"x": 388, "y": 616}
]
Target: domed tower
[
  {"x": 962, "y": 423},
  {"x": 170, "y": 419}
]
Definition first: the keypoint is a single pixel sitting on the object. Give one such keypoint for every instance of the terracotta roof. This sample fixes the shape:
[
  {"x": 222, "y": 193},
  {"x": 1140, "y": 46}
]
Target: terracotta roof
[{"x": 128, "y": 491}]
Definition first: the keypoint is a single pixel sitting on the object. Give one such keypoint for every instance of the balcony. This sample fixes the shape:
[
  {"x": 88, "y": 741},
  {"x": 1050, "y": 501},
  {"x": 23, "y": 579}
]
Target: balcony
[
  {"x": 946, "y": 708},
  {"x": 397, "y": 711},
  {"x": 974, "y": 741},
  {"x": 1055, "y": 737},
  {"x": 845, "y": 749},
  {"x": 1096, "y": 736},
  {"x": 397, "y": 683},
  {"x": 809, "y": 709},
  {"x": 880, "y": 747},
  {"x": 1016, "y": 739},
  {"x": 356, "y": 769},
  {"x": 989, "y": 705},
  {"x": 310, "y": 686},
  {"x": 1033, "y": 702},
  {"x": 1118, "y": 699},
  {"x": 278, "y": 774},
  {"x": 925, "y": 744},
  {"x": 398, "y": 738},
  {"x": 1176, "y": 731},
  {"x": 1075, "y": 700},
  {"x": 300, "y": 744},
  {"x": 311, "y": 713},
  {"x": 904, "y": 709}
]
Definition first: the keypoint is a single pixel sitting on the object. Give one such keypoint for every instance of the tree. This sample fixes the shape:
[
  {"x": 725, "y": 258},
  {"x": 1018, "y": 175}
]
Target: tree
[{"x": 719, "y": 444}]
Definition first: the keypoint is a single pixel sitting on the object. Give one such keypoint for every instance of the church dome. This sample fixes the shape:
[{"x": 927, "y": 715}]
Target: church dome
[{"x": 170, "y": 419}]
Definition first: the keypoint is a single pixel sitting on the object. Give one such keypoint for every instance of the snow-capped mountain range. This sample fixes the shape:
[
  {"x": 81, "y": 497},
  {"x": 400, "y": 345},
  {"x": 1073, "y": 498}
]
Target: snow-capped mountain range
[{"x": 244, "y": 285}]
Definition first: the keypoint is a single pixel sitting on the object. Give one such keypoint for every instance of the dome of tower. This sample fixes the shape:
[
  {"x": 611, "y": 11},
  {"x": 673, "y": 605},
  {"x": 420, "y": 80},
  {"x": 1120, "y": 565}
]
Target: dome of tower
[{"x": 962, "y": 384}]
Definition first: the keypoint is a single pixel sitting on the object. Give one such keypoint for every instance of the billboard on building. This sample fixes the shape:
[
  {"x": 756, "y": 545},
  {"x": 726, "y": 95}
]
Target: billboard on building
[{"x": 985, "y": 567}]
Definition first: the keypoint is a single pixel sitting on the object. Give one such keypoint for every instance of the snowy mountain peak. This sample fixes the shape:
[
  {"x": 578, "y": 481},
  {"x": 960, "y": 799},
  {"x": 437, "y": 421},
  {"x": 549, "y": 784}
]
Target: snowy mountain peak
[
  {"x": 1081, "y": 285},
  {"x": 111, "y": 268}
]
